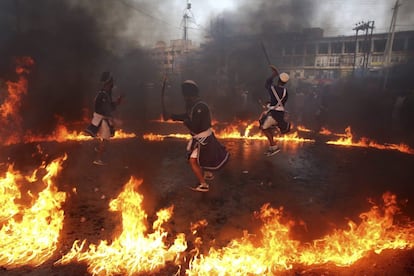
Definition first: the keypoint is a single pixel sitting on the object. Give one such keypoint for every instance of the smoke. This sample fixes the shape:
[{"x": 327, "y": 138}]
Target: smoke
[
  {"x": 71, "y": 43},
  {"x": 233, "y": 61},
  {"x": 261, "y": 17}
]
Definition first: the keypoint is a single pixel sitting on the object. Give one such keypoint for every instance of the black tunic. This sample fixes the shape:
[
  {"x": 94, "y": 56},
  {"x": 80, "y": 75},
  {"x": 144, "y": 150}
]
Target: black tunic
[{"x": 212, "y": 154}]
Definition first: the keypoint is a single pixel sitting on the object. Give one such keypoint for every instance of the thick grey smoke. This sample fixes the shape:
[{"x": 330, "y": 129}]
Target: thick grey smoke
[
  {"x": 71, "y": 42},
  {"x": 255, "y": 17},
  {"x": 234, "y": 60}
]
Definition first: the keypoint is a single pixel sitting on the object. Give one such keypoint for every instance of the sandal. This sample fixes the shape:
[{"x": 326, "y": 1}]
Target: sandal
[
  {"x": 201, "y": 188},
  {"x": 99, "y": 162}
]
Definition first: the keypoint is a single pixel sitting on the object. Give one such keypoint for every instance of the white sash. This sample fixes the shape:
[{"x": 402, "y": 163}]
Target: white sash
[
  {"x": 200, "y": 137},
  {"x": 279, "y": 106}
]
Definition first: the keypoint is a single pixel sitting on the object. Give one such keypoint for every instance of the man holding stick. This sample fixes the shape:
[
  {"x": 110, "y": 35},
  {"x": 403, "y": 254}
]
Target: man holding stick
[
  {"x": 274, "y": 117},
  {"x": 204, "y": 152},
  {"x": 102, "y": 125}
]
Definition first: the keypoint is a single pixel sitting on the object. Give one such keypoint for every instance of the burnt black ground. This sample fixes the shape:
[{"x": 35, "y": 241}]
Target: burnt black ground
[{"x": 322, "y": 185}]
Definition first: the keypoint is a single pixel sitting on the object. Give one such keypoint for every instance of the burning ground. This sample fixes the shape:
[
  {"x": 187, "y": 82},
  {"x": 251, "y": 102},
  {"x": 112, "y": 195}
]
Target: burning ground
[
  {"x": 329, "y": 203},
  {"x": 296, "y": 213}
]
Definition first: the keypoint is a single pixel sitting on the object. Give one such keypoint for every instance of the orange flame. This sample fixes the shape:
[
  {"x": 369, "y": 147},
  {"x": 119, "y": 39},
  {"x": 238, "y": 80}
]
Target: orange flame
[
  {"x": 325, "y": 131},
  {"x": 133, "y": 251},
  {"x": 32, "y": 239},
  {"x": 303, "y": 129},
  {"x": 293, "y": 137},
  {"x": 376, "y": 232},
  {"x": 367, "y": 143},
  {"x": 161, "y": 137},
  {"x": 62, "y": 134},
  {"x": 240, "y": 130},
  {"x": 10, "y": 118},
  {"x": 9, "y": 192},
  {"x": 120, "y": 134},
  {"x": 274, "y": 251}
]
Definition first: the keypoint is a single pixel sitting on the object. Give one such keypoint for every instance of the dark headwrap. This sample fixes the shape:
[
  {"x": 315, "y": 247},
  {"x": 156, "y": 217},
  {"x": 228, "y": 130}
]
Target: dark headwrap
[
  {"x": 189, "y": 88},
  {"x": 106, "y": 77}
]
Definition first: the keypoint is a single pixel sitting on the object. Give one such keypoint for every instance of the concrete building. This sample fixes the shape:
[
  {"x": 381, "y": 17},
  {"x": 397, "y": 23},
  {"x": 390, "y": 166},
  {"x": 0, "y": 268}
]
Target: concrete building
[
  {"x": 310, "y": 56},
  {"x": 172, "y": 58},
  {"x": 307, "y": 56}
]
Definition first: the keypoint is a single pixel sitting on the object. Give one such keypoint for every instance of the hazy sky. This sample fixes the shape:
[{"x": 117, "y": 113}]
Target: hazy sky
[{"x": 336, "y": 17}]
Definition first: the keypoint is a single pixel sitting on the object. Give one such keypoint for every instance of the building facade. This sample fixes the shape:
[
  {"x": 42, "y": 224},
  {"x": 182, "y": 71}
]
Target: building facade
[
  {"x": 172, "y": 58},
  {"x": 314, "y": 57},
  {"x": 307, "y": 56}
]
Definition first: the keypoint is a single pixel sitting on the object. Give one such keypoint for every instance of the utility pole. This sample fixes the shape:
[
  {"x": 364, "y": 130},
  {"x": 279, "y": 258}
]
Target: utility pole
[
  {"x": 188, "y": 18},
  {"x": 188, "y": 15},
  {"x": 390, "y": 41},
  {"x": 368, "y": 42},
  {"x": 366, "y": 47}
]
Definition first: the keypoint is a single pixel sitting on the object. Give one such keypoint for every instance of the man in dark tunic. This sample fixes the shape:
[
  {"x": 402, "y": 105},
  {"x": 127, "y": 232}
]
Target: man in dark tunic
[
  {"x": 274, "y": 117},
  {"x": 102, "y": 126},
  {"x": 204, "y": 152}
]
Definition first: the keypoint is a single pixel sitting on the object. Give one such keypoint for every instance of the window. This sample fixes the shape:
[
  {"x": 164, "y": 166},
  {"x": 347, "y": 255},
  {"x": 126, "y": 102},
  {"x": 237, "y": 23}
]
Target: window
[
  {"x": 349, "y": 47},
  {"x": 310, "y": 61},
  {"x": 287, "y": 61},
  {"x": 299, "y": 49},
  {"x": 323, "y": 48},
  {"x": 321, "y": 61},
  {"x": 309, "y": 74},
  {"x": 410, "y": 45},
  {"x": 377, "y": 59},
  {"x": 347, "y": 61},
  {"x": 379, "y": 45},
  {"x": 395, "y": 59},
  {"x": 398, "y": 45},
  {"x": 334, "y": 61},
  {"x": 336, "y": 48},
  {"x": 363, "y": 46},
  {"x": 310, "y": 49},
  {"x": 288, "y": 50},
  {"x": 297, "y": 61}
]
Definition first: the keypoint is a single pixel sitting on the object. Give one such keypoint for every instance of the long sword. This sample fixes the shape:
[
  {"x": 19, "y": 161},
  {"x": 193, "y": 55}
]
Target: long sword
[{"x": 265, "y": 53}]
